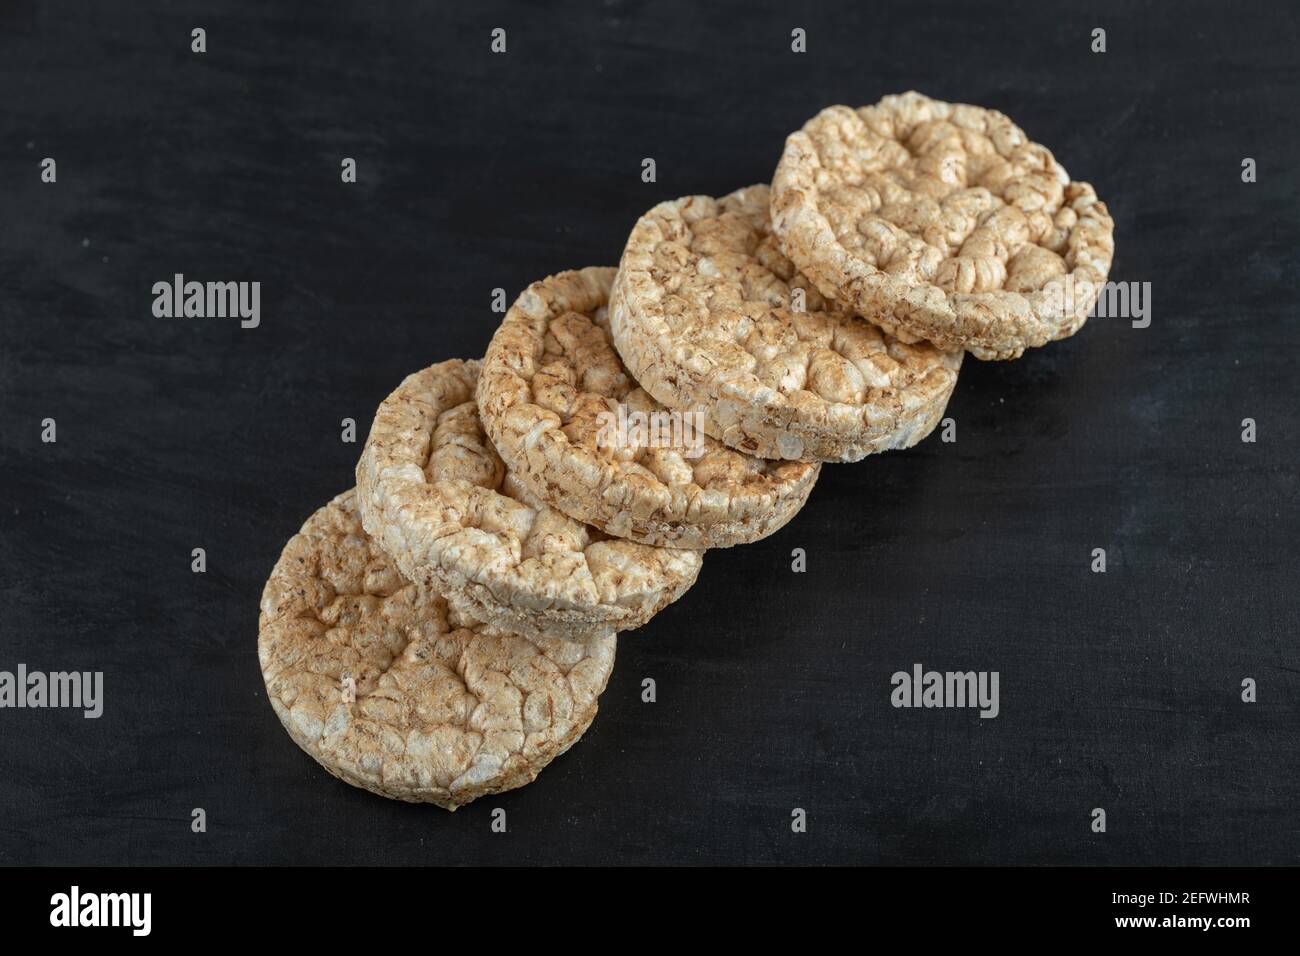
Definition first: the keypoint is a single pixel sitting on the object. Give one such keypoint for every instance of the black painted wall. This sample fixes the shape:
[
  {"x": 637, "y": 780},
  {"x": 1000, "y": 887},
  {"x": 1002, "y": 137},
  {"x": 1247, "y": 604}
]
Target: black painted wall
[{"x": 1119, "y": 690}]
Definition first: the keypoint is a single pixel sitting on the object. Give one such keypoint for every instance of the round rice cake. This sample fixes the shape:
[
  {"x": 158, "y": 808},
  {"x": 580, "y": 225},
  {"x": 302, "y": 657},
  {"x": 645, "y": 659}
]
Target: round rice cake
[
  {"x": 433, "y": 492},
  {"x": 943, "y": 222},
  {"x": 574, "y": 426},
  {"x": 710, "y": 316},
  {"x": 391, "y": 690}
]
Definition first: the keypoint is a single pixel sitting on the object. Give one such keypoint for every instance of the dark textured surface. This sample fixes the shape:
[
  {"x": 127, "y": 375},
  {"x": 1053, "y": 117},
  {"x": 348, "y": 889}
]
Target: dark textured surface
[{"x": 1119, "y": 690}]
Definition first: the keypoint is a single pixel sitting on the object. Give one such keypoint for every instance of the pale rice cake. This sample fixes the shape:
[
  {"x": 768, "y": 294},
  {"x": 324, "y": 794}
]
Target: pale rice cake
[
  {"x": 391, "y": 690},
  {"x": 942, "y": 222},
  {"x": 557, "y": 402},
  {"x": 433, "y": 492},
  {"x": 706, "y": 314}
]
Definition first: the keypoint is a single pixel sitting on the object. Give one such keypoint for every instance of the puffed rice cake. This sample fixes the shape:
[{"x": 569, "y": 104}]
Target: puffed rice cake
[
  {"x": 942, "y": 222},
  {"x": 433, "y": 492},
  {"x": 391, "y": 690},
  {"x": 705, "y": 315},
  {"x": 550, "y": 393}
]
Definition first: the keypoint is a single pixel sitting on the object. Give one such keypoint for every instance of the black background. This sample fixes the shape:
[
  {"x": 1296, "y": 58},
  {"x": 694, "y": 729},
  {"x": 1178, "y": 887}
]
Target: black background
[{"x": 1118, "y": 690}]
